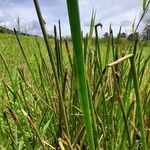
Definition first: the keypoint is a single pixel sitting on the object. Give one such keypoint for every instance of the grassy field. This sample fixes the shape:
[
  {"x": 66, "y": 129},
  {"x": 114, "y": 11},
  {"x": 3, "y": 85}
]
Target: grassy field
[
  {"x": 84, "y": 94},
  {"x": 30, "y": 104}
]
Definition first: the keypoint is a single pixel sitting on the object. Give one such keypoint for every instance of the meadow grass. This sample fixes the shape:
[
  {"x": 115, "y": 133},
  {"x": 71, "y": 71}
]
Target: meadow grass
[
  {"x": 87, "y": 93},
  {"x": 25, "y": 96}
]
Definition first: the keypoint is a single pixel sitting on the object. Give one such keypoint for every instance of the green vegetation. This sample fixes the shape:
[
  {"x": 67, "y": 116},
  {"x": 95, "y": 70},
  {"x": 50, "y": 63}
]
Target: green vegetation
[
  {"x": 5, "y": 30},
  {"x": 90, "y": 93}
]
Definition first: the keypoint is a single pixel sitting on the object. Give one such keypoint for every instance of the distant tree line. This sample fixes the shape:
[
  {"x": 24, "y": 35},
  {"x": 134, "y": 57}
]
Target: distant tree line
[
  {"x": 9, "y": 31},
  {"x": 145, "y": 35}
]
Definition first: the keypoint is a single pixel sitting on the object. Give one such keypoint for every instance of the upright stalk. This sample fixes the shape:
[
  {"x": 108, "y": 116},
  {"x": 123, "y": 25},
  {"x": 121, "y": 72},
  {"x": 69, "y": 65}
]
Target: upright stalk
[
  {"x": 61, "y": 103},
  {"x": 139, "y": 105},
  {"x": 73, "y": 11}
]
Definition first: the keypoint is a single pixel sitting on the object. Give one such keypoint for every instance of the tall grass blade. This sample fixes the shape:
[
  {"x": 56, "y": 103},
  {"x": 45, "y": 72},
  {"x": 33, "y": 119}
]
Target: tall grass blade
[
  {"x": 49, "y": 50},
  {"x": 139, "y": 105},
  {"x": 144, "y": 4},
  {"x": 73, "y": 12}
]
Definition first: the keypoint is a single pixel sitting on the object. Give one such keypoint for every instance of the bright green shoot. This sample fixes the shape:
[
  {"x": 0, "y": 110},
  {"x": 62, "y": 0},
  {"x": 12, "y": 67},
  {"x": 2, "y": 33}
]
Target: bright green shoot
[{"x": 73, "y": 12}]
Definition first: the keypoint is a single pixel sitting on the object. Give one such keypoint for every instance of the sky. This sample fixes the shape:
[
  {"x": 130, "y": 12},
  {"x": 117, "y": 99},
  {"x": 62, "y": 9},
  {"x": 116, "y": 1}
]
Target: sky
[{"x": 117, "y": 12}]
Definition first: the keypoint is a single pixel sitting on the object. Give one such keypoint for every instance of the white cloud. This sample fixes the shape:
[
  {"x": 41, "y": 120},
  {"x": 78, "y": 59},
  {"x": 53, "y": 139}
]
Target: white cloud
[
  {"x": 116, "y": 12},
  {"x": 1, "y": 16}
]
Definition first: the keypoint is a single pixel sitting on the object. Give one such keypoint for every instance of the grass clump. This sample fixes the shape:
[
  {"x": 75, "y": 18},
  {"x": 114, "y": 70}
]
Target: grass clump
[{"x": 83, "y": 93}]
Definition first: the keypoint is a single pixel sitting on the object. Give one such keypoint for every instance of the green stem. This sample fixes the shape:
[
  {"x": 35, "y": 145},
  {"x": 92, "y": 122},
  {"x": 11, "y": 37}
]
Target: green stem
[
  {"x": 73, "y": 12},
  {"x": 49, "y": 50},
  {"x": 139, "y": 105}
]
